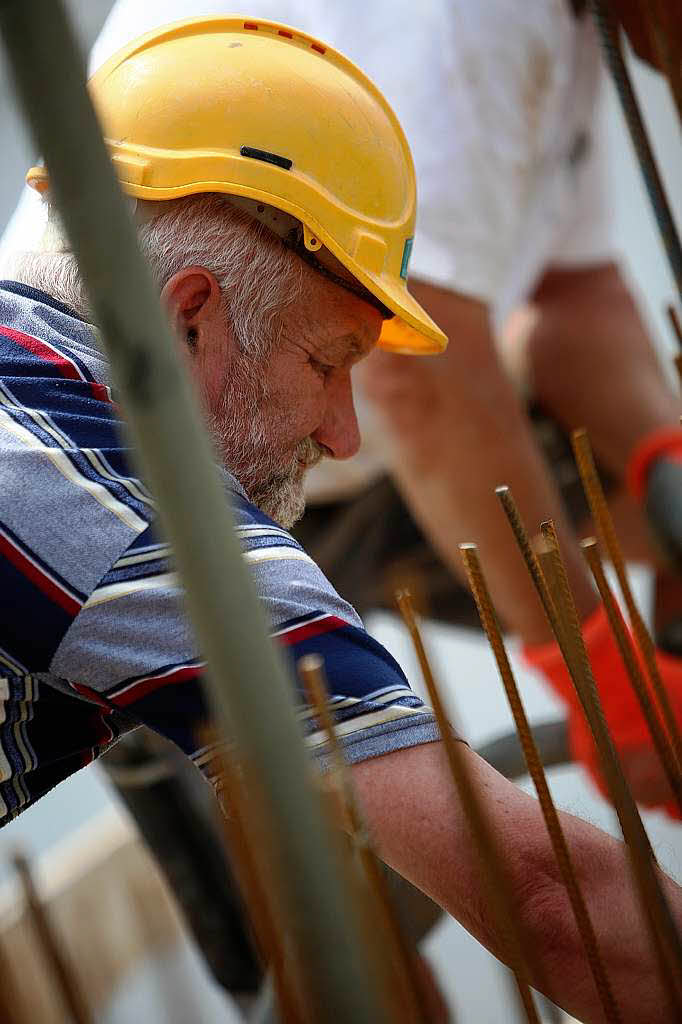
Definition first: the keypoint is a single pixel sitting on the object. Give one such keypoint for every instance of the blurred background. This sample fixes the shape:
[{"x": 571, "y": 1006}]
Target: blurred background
[{"x": 82, "y": 824}]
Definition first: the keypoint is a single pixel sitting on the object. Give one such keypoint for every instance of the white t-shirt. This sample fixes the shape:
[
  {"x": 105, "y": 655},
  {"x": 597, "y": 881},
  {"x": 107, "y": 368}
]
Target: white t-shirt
[{"x": 497, "y": 100}]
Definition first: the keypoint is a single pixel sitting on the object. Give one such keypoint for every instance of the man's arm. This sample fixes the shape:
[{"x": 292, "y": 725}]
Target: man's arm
[
  {"x": 420, "y": 829},
  {"x": 456, "y": 431}
]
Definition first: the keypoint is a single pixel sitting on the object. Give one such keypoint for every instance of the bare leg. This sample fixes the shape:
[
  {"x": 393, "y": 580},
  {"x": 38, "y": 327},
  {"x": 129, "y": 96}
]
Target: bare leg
[{"x": 458, "y": 431}]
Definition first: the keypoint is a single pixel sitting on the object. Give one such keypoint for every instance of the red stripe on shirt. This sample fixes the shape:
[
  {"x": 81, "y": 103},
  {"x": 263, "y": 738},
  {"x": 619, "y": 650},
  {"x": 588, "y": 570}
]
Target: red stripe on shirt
[
  {"x": 92, "y": 695},
  {"x": 35, "y": 574},
  {"x": 66, "y": 366},
  {"x": 145, "y": 686},
  {"x": 309, "y": 629}
]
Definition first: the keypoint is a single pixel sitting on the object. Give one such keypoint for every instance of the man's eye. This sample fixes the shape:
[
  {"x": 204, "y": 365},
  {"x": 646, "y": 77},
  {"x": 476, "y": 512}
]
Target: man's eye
[{"x": 324, "y": 369}]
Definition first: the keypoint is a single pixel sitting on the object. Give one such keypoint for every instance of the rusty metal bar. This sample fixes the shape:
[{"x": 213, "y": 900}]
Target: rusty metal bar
[
  {"x": 537, "y": 773},
  {"x": 675, "y": 323},
  {"x": 62, "y": 971},
  {"x": 497, "y": 884},
  {"x": 607, "y": 535},
  {"x": 527, "y": 553},
  {"x": 608, "y": 31},
  {"x": 664, "y": 933},
  {"x": 241, "y": 834},
  {"x": 654, "y": 905},
  {"x": 410, "y": 997},
  {"x": 661, "y": 742},
  {"x": 10, "y": 1007}
]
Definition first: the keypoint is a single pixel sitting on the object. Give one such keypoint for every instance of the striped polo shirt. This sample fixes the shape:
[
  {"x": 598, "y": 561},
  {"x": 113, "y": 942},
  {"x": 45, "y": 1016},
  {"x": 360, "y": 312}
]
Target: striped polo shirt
[{"x": 94, "y": 639}]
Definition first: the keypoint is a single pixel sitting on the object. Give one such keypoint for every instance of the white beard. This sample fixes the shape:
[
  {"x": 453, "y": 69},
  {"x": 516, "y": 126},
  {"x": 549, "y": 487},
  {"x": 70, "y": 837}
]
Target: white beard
[{"x": 244, "y": 431}]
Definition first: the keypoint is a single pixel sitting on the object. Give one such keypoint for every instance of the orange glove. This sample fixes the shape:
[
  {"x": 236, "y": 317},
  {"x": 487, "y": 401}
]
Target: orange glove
[{"x": 626, "y": 722}]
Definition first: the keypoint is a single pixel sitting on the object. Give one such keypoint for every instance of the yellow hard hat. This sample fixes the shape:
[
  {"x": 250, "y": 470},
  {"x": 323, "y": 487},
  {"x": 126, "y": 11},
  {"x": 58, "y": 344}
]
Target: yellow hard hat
[{"x": 276, "y": 119}]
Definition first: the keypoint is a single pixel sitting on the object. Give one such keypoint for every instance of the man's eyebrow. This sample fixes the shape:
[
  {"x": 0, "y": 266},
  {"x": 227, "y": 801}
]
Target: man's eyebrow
[
  {"x": 357, "y": 348},
  {"x": 348, "y": 348}
]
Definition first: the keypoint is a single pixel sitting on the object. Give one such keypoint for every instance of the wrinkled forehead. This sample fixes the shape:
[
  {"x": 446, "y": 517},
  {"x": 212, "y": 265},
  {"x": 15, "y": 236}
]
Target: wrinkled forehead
[{"x": 339, "y": 327}]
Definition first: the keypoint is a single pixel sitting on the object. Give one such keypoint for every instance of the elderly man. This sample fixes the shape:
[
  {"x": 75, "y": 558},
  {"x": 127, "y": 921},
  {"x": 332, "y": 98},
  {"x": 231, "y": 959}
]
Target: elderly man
[
  {"x": 240, "y": 206},
  {"x": 514, "y": 216}
]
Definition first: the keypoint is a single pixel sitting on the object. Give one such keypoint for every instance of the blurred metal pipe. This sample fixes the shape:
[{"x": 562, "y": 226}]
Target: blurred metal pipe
[
  {"x": 613, "y": 52},
  {"x": 57, "y": 960},
  {"x": 247, "y": 684}
]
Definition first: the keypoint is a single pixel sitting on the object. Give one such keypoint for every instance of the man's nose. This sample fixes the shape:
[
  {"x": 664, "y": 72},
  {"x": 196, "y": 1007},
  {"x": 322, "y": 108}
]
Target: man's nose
[{"x": 339, "y": 430}]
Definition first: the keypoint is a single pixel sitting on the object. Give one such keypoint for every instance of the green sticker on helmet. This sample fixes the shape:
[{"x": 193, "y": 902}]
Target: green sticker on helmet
[{"x": 407, "y": 252}]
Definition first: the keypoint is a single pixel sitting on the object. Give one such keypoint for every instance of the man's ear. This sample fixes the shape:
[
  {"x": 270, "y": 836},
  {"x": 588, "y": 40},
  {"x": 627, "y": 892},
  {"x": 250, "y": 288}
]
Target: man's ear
[{"x": 192, "y": 298}]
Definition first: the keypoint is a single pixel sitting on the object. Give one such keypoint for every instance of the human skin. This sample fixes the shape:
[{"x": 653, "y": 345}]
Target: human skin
[
  {"x": 409, "y": 802},
  {"x": 458, "y": 429},
  {"x": 420, "y": 828},
  {"x": 610, "y": 379},
  {"x": 308, "y": 372}
]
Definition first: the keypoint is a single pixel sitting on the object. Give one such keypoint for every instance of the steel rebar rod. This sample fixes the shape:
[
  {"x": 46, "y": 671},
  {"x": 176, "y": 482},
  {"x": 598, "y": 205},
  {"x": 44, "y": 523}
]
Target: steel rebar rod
[
  {"x": 661, "y": 742},
  {"x": 409, "y": 995},
  {"x": 11, "y": 1011},
  {"x": 654, "y": 907},
  {"x": 241, "y": 839},
  {"x": 601, "y": 516},
  {"x": 675, "y": 323},
  {"x": 495, "y": 876},
  {"x": 536, "y": 771},
  {"x": 251, "y": 693},
  {"x": 664, "y": 933},
  {"x": 62, "y": 971},
  {"x": 527, "y": 553},
  {"x": 608, "y": 31},
  {"x": 677, "y": 331}
]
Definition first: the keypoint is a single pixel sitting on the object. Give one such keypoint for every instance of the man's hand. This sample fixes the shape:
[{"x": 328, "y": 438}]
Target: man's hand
[{"x": 420, "y": 829}]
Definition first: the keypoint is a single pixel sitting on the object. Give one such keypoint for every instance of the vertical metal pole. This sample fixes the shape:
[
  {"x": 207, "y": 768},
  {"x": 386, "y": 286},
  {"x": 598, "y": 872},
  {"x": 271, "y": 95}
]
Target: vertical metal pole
[
  {"x": 400, "y": 959},
  {"x": 603, "y": 520},
  {"x": 536, "y": 771},
  {"x": 665, "y": 934},
  {"x": 562, "y": 616},
  {"x": 497, "y": 883},
  {"x": 626, "y": 650},
  {"x": 247, "y": 684},
  {"x": 62, "y": 971},
  {"x": 608, "y": 30}
]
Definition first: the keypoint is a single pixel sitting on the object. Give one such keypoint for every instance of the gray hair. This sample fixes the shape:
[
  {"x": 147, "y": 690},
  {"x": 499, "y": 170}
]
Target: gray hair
[{"x": 258, "y": 276}]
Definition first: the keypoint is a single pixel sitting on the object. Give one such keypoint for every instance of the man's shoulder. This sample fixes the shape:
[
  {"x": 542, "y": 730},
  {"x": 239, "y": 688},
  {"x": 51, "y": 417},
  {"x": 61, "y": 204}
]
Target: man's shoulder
[
  {"x": 69, "y": 506},
  {"x": 288, "y": 580},
  {"x": 256, "y": 530},
  {"x": 59, "y": 424},
  {"x": 43, "y": 339}
]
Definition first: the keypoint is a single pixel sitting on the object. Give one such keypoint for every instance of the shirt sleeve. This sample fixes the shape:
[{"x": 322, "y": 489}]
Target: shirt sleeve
[{"x": 132, "y": 647}]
